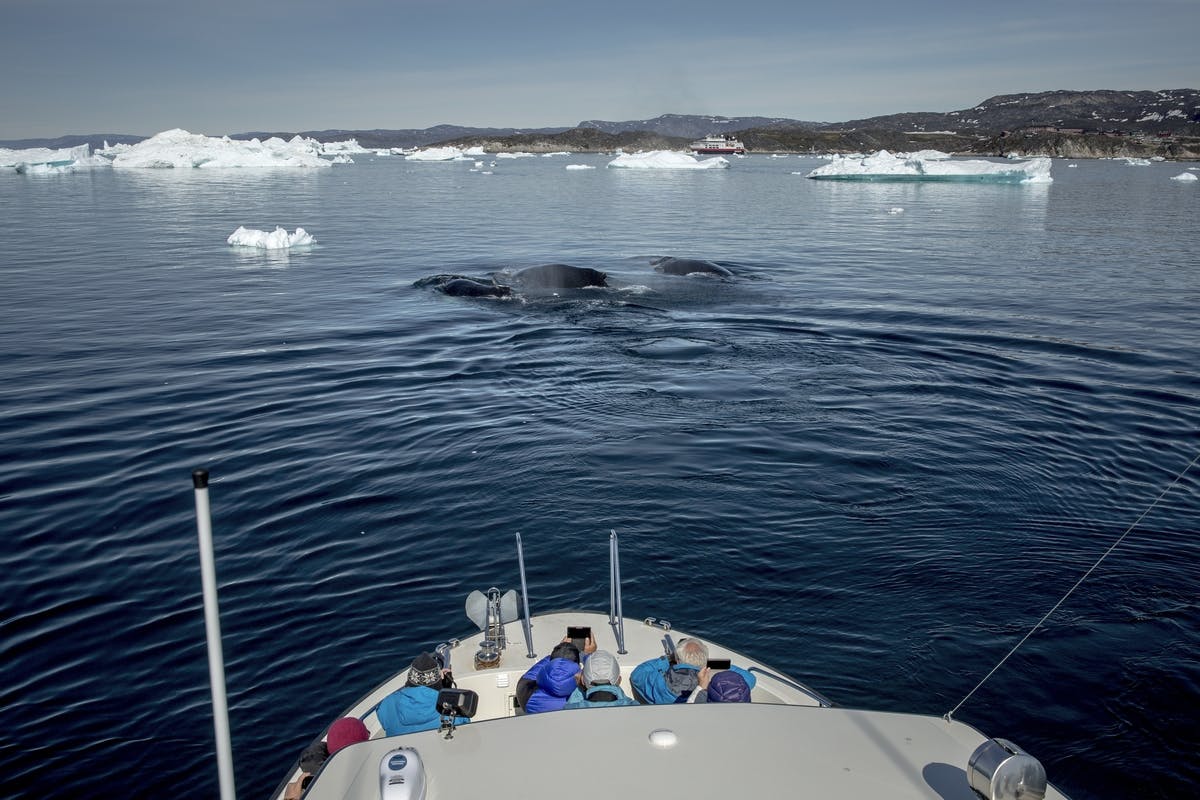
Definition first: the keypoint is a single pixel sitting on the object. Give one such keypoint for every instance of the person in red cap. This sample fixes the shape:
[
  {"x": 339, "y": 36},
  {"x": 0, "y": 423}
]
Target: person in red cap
[{"x": 344, "y": 732}]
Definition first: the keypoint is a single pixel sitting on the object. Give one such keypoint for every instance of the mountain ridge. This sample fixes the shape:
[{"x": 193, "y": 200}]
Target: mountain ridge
[{"x": 1112, "y": 121}]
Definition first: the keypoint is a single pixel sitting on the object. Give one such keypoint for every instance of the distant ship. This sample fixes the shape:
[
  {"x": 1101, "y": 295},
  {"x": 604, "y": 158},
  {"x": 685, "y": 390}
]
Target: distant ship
[{"x": 716, "y": 143}]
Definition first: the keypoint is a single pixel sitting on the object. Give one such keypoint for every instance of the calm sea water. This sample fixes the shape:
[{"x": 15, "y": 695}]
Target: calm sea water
[{"x": 874, "y": 459}]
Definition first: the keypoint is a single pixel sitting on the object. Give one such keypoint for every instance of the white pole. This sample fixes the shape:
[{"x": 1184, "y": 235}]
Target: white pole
[{"x": 212, "y": 625}]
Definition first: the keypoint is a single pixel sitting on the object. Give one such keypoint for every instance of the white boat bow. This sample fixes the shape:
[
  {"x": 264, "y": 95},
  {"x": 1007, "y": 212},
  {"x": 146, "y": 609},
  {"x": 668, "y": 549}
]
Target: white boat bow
[{"x": 787, "y": 740}]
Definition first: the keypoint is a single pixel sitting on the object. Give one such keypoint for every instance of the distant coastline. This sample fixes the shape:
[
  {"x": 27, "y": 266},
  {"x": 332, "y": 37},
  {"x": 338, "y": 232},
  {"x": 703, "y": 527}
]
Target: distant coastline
[
  {"x": 1063, "y": 124},
  {"x": 1019, "y": 143}
]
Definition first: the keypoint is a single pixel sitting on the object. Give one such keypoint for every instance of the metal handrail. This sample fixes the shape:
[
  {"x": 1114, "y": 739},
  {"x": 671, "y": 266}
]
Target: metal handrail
[
  {"x": 615, "y": 617},
  {"x": 526, "y": 626}
]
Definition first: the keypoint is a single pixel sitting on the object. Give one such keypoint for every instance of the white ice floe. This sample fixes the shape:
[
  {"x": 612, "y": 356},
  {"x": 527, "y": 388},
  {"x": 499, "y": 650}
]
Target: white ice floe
[
  {"x": 1137, "y": 162},
  {"x": 477, "y": 150},
  {"x": 44, "y": 161},
  {"x": 580, "y": 166},
  {"x": 178, "y": 149},
  {"x": 278, "y": 239},
  {"x": 438, "y": 154},
  {"x": 347, "y": 146},
  {"x": 555, "y": 153},
  {"x": 1185, "y": 177},
  {"x": 514, "y": 155},
  {"x": 666, "y": 159},
  {"x": 930, "y": 165}
]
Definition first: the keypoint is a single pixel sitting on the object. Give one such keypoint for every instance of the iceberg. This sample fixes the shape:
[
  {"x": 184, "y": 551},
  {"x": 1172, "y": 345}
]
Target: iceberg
[
  {"x": 931, "y": 165},
  {"x": 44, "y": 161},
  {"x": 347, "y": 146},
  {"x": 438, "y": 154},
  {"x": 666, "y": 159},
  {"x": 1186, "y": 177},
  {"x": 279, "y": 239},
  {"x": 580, "y": 166},
  {"x": 517, "y": 154},
  {"x": 178, "y": 149}
]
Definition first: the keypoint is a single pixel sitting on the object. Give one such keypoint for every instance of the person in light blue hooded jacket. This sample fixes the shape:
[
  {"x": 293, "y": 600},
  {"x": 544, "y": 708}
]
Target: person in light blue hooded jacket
[
  {"x": 599, "y": 684},
  {"x": 414, "y": 707}
]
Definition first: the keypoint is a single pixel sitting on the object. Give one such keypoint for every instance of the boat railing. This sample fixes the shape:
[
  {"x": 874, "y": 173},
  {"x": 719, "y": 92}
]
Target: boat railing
[
  {"x": 525, "y": 623},
  {"x": 615, "y": 618},
  {"x": 212, "y": 625},
  {"x": 814, "y": 694}
]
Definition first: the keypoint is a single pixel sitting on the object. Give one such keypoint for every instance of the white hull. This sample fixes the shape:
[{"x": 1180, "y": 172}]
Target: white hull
[{"x": 787, "y": 741}]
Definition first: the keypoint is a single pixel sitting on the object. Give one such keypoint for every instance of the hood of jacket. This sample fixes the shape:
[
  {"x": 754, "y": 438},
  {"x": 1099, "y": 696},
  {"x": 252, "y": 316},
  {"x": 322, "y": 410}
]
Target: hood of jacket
[
  {"x": 558, "y": 677},
  {"x": 412, "y": 705}
]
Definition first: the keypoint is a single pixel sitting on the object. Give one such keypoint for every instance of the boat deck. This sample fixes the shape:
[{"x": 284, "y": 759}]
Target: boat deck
[
  {"x": 788, "y": 739},
  {"x": 721, "y": 750}
]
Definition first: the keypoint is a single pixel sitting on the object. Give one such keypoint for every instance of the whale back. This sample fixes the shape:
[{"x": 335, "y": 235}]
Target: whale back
[
  {"x": 559, "y": 276},
  {"x": 670, "y": 265}
]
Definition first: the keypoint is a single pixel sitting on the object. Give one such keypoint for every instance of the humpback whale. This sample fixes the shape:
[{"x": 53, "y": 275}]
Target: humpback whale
[
  {"x": 545, "y": 276},
  {"x": 689, "y": 266},
  {"x": 469, "y": 287},
  {"x": 463, "y": 286},
  {"x": 559, "y": 276}
]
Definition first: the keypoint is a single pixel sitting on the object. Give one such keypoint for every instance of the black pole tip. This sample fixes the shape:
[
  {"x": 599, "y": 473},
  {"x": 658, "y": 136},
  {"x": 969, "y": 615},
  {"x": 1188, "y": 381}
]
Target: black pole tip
[{"x": 200, "y": 478}]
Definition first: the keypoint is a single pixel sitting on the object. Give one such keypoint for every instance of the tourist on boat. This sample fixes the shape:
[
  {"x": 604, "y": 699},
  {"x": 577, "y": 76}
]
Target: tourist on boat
[
  {"x": 413, "y": 707},
  {"x": 663, "y": 680},
  {"x": 549, "y": 682},
  {"x": 599, "y": 683},
  {"x": 343, "y": 732},
  {"x": 528, "y": 683},
  {"x": 725, "y": 686}
]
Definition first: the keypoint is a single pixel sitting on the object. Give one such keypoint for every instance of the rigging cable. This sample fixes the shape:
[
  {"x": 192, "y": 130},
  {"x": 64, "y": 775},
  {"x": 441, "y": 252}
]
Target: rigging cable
[{"x": 1170, "y": 486}]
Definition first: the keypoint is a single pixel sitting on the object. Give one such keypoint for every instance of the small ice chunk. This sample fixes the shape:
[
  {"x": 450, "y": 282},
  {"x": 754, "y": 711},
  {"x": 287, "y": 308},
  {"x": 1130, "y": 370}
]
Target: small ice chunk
[
  {"x": 1185, "y": 177},
  {"x": 278, "y": 239},
  {"x": 580, "y": 166}
]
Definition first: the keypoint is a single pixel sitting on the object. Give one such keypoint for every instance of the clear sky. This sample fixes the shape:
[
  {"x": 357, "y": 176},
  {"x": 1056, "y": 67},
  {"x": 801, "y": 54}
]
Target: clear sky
[{"x": 219, "y": 66}]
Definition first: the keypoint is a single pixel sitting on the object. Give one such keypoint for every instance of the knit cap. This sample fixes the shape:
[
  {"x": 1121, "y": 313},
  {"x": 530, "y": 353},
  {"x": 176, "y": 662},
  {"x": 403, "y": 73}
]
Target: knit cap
[{"x": 425, "y": 671}]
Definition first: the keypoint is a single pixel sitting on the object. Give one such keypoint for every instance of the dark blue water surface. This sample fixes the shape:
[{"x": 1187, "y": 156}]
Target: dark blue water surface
[{"x": 875, "y": 458}]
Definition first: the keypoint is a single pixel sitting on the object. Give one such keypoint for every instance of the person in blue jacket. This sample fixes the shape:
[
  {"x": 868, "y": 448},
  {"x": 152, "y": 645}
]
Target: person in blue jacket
[
  {"x": 413, "y": 707},
  {"x": 599, "y": 684},
  {"x": 543, "y": 684},
  {"x": 548, "y": 683},
  {"x": 660, "y": 681},
  {"x": 726, "y": 686}
]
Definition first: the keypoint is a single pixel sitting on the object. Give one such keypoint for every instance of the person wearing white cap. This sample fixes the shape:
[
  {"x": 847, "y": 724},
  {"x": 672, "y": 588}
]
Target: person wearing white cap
[{"x": 599, "y": 683}]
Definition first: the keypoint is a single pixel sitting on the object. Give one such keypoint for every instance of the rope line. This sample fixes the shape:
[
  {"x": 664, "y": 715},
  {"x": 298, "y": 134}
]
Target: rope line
[{"x": 1063, "y": 599}]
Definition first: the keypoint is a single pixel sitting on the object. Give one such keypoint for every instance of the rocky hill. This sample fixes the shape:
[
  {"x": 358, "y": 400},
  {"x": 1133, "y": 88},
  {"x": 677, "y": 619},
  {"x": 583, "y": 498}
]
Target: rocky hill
[
  {"x": 1175, "y": 111},
  {"x": 576, "y": 140},
  {"x": 691, "y": 126}
]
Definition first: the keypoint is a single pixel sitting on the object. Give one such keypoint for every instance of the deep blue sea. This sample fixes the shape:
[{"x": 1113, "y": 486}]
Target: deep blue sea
[{"x": 874, "y": 459}]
